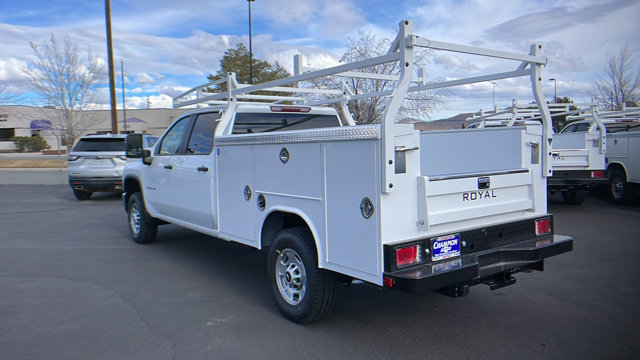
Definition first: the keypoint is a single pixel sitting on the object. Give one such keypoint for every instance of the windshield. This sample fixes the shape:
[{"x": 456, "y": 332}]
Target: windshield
[{"x": 101, "y": 144}]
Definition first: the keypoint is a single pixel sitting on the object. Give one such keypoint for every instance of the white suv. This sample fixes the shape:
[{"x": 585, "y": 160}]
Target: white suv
[{"x": 96, "y": 163}]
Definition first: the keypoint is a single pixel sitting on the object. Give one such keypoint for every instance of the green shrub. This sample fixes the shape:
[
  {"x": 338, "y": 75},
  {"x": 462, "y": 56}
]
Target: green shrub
[{"x": 32, "y": 144}]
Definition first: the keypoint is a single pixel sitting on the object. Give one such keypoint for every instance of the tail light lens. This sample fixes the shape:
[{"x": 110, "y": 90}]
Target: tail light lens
[
  {"x": 298, "y": 109},
  {"x": 597, "y": 174},
  {"x": 543, "y": 226},
  {"x": 408, "y": 255}
]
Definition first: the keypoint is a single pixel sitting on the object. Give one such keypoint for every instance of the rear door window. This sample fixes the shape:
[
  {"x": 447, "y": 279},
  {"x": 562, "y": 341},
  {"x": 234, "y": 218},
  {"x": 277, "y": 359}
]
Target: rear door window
[
  {"x": 100, "y": 144},
  {"x": 201, "y": 140},
  {"x": 582, "y": 127}
]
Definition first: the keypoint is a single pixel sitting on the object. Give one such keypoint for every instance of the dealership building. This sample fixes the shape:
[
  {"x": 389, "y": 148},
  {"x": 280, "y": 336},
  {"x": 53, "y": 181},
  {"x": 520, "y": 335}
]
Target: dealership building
[{"x": 17, "y": 120}]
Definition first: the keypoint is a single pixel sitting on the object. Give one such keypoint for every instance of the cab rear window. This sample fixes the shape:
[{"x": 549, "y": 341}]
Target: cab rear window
[
  {"x": 246, "y": 123},
  {"x": 100, "y": 144}
]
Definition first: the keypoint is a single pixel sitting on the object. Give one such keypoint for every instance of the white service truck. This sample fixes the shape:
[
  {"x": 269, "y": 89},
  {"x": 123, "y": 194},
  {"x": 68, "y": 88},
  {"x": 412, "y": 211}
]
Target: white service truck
[
  {"x": 578, "y": 157},
  {"x": 622, "y": 167},
  {"x": 334, "y": 202}
]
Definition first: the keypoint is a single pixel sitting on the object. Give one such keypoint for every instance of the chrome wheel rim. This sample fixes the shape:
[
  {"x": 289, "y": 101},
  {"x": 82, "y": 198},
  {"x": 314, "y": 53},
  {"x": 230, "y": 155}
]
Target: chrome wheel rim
[
  {"x": 617, "y": 187},
  {"x": 291, "y": 276},
  {"x": 134, "y": 219}
]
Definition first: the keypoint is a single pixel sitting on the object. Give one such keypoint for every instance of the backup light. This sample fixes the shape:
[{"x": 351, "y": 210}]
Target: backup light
[
  {"x": 543, "y": 226},
  {"x": 408, "y": 255},
  {"x": 301, "y": 109}
]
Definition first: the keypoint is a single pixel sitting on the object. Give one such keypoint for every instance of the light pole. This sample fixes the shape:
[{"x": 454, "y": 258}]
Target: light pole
[
  {"x": 555, "y": 89},
  {"x": 494, "y": 97},
  {"x": 250, "y": 46}
]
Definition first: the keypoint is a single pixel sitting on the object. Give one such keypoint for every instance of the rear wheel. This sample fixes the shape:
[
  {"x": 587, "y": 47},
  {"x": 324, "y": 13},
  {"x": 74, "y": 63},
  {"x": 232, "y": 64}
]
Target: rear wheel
[
  {"x": 303, "y": 292},
  {"x": 81, "y": 194},
  {"x": 573, "y": 197},
  {"x": 142, "y": 227},
  {"x": 620, "y": 190}
]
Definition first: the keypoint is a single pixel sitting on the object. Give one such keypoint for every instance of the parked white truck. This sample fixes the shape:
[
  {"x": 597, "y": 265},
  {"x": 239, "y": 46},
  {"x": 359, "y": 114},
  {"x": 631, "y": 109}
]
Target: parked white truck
[
  {"x": 622, "y": 149},
  {"x": 578, "y": 157},
  {"x": 334, "y": 202}
]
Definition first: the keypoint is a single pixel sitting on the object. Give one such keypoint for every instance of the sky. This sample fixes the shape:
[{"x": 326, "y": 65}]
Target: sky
[{"x": 170, "y": 46}]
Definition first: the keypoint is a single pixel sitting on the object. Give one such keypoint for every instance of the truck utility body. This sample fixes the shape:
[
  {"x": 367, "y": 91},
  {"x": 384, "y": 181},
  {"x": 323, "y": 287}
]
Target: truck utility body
[
  {"x": 622, "y": 149},
  {"x": 333, "y": 201},
  {"x": 578, "y": 158}
]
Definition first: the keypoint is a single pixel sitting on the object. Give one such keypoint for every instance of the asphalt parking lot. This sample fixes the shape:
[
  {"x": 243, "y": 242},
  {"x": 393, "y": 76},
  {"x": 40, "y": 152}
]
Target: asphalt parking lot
[{"x": 74, "y": 286}]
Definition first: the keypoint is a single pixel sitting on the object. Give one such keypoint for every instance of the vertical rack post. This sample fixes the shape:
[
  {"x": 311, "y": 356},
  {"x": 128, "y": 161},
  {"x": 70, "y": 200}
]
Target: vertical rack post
[{"x": 406, "y": 66}]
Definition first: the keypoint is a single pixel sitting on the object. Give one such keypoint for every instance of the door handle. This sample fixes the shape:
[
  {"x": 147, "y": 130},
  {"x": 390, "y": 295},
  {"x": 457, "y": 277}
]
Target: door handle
[
  {"x": 168, "y": 167},
  {"x": 203, "y": 169}
]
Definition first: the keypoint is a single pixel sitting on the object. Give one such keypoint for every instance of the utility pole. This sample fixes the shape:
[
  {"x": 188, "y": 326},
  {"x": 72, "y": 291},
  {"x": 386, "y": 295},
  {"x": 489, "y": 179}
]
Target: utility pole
[
  {"x": 495, "y": 109},
  {"x": 112, "y": 79},
  {"x": 250, "y": 46},
  {"x": 555, "y": 89},
  {"x": 124, "y": 100}
]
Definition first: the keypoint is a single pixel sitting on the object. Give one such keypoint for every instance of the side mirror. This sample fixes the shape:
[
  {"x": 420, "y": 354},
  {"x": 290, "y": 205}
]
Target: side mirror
[
  {"x": 134, "y": 146},
  {"x": 146, "y": 157}
]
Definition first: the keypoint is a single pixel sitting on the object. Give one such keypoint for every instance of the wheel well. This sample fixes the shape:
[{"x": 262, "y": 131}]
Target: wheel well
[
  {"x": 131, "y": 186},
  {"x": 616, "y": 166},
  {"x": 276, "y": 222}
]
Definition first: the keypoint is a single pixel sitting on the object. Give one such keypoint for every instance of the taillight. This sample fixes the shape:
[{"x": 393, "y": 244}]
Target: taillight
[
  {"x": 543, "y": 226},
  {"x": 597, "y": 174},
  {"x": 408, "y": 255},
  {"x": 73, "y": 157}
]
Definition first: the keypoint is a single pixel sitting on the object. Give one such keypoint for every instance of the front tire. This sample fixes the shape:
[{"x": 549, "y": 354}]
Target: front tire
[
  {"x": 303, "y": 292},
  {"x": 573, "y": 197},
  {"x": 142, "y": 227},
  {"x": 620, "y": 190}
]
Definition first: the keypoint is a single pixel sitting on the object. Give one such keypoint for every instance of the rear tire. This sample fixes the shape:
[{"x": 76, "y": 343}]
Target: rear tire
[
  {"x": 142, "y": 227},
  {"x": 82, "y": 195},
  {"x": 303, "y": 292},
  {"x": 620, "y": 190},
  {"x": 573, "y": 197}
]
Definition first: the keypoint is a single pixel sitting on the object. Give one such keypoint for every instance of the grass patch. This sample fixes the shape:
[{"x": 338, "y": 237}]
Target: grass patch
[{"x": 33, "y": 163}]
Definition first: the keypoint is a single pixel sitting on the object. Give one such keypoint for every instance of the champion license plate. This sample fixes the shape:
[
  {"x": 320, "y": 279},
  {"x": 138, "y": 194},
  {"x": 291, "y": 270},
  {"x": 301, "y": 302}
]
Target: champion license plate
[{"x": 445, "y": 247}]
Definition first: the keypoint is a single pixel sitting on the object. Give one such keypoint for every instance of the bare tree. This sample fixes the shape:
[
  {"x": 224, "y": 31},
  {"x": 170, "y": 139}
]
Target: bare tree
[
  {"x": 417, "y": 105},
  {"x": 68, "y": 81},
  {"x": 621, "y": 85}
]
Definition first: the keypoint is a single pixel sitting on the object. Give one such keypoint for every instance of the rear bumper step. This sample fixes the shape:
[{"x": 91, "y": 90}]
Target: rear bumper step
[{"x": 493, "y": 267}]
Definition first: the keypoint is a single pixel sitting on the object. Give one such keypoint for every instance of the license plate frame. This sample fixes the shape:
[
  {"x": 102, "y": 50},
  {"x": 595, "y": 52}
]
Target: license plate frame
[{"x": 445, "y": 247}]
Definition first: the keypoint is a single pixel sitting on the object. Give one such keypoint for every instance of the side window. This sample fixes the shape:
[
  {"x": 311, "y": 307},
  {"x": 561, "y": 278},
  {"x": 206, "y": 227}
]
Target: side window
[
  {"x": 570, "y": 128},
  {"x": 583, "y": 127},
  {"x": 201, "y": 140},
  {"x": 172, "y": 140}
]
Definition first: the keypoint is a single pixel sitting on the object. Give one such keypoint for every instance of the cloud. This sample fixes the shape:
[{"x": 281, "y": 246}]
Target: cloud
[
  {"x": 11, "y": 70},
  {"x": 553, "y": 20},
  {"x": 152, "y": 101},
  {"x": 144, "y": 79},
  {"x": 454, "y": 62},
  {"x": 173, "y": 91}
]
